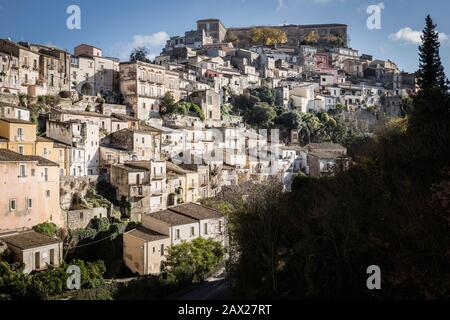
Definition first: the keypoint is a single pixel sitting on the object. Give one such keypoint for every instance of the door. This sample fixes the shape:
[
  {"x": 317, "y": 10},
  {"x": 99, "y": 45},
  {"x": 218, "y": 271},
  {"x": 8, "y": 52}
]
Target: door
[
  {"x": 37, "y": 260},
  {"x": 52, "y": 257}
]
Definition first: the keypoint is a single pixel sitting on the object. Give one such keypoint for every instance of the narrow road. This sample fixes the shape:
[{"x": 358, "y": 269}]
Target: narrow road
[{"x": 214, "y": 288}]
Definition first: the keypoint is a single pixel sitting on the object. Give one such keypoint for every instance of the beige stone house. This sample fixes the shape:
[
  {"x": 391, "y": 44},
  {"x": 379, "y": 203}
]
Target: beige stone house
[
  {"x": 144, "y": 250},
  {"x": 143, "y": 85},
  {"x": 188, "y": 186},
  {"x": 322, "y": 159},
  {"x": 82, "y": 77},
  {"x": 9, "y": 73},
  {"x": 30, "y": 191},
  {"x": 144, "y": 247},
  {"x": 209, "y": 101},
  {"x": 27, "y": 68},
  {"x": 54, "y": 68},
  {"x": 132, "y": 184},
  {"x": 105, "y": 78},
  {"x": 146, "y": 144},
  {"x": 36, "y": 251}
]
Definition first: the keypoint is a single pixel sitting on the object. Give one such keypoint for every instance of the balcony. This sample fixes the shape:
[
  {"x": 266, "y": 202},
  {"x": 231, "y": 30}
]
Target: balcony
[
  {"x": 138, "y": 192},
  {"x": 158, "y": 177},
  {"x": 20, "y": 138},
  {"x": 157, "y": 193}
]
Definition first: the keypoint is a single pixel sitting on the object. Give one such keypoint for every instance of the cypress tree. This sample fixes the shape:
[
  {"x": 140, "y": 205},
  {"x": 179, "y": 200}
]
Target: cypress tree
[{"x": 431, "y": 71}]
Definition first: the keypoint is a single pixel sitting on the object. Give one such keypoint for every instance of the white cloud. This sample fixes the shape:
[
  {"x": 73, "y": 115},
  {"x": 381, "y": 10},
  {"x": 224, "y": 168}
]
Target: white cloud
[
  {"x": 280, "y": 4},
  {"x": 283, "y": 3},
  {"x": 153, "y": 42},
  {"x": 410, "y": 36}
]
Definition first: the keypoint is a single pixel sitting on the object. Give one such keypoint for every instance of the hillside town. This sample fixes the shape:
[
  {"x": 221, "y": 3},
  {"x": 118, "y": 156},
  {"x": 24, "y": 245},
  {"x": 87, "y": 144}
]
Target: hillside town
[{"x": 84, "y": 136}]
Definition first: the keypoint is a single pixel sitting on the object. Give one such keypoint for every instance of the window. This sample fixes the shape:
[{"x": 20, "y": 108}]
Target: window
[
  {"x": 154, "y": 249},
  {"x": 12, "y": 205},
  {"x": 206, "y": 228},
  {"x": 47, "y": 193},
  {"x": 192, "y": 232},
  {"x": 37, "y": 260},
  {"x": 46, "y": 174},
  {"x": 162, "y": 249},
  {"x": 220, "y": 227},
  {"x": 52, "y": 257},
  {"x": 30, "y": 203},
  {"x": 20, "y": 150},
  {"x": 33, "y": 172},
  {"x": 177, "y": 234},
  {"x": 22, "y": 170}
]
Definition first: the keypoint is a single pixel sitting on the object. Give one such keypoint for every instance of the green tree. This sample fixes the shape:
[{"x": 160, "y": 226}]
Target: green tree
[
  {"x": 264, "y": 94},
  {"x": 140, "y": 54},
  {"x": 268, "y": 36},
  {"x": 192, "y": 261},
  {"x": 167, "y": 104},
  {"x": 244, "y": 102},
  {"x": 431, "y": 71},
  {"x": 262, "y": 115},
  {"x": 290, "y": 120}
]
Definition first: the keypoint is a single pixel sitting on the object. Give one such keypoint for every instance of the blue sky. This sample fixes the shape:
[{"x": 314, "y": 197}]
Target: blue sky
[{"x": 117, "y": 26}]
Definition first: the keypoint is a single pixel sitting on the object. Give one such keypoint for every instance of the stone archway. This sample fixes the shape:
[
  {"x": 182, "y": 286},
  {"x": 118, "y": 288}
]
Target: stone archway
[{"x": 87, "y": 90}]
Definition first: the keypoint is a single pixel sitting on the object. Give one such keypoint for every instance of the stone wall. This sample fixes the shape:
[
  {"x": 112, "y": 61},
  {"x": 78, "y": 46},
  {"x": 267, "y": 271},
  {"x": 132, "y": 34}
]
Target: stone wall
[
  {"x": 79, "y": 219},
  {"x": 294, "y": 33},
  {"x": 69, "y": 186},
  {"x": 9, "y": 98}
]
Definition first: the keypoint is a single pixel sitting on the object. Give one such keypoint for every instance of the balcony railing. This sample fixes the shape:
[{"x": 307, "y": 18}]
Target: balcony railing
[
  {"x": 157, "y": 193},
  {"x": 158, "y": 177},
  {"x": 137, "y": 192},
  {"x": 20, "y": 138}
]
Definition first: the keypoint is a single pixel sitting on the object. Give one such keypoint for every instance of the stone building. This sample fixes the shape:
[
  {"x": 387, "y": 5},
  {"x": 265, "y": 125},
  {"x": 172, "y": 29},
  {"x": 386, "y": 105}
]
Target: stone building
[
  {"x": 54, "y": 68},
  {"x": 132, "y": 185},
  {"x": 27, "y": 68},
  {"x": 30, "y": 193},
  {"x": 146, "y": 246},
  {"x": 36, "y": 251},
  {"x": 143, "y": 85},
  {"x": 98, "y": 74},
  {"x": 9, "y": 72},
  {"x": 145, "y": 144},
  {"x": 213, "y": 28},
  {"x": 84, "y": 140},
  {"x": 295, "y": 33},
  {"x": 83, "y": 75},
  {"x": 209, "y": 101}
]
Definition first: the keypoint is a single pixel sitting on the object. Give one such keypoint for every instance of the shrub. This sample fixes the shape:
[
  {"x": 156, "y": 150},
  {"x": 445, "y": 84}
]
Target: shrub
[
  {"x": 192, "y": 261},
  {"x": 47, "y": 228}
]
